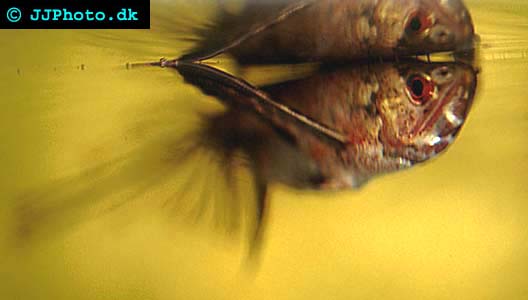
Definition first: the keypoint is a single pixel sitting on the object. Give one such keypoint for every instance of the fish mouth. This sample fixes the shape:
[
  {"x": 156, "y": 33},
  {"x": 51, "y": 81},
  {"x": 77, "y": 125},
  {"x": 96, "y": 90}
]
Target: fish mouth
[
  {"x": 450, "y": 43},
  {"x": 467, "y": 44},
  {"x": 439, "y": 128},
  {"x": 441, "y": 39},
  {"x": 449, "y": 28},
  {"x": 455, "y": 27},
  {"x": 438, "y": 107},
  {"x": 428, "y": 128}
]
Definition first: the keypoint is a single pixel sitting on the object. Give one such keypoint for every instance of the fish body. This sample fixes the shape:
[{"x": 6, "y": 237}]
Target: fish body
[
  {"x": 335, "y": 129},
  {"x": 393, "y": 116},
  {"x": 385, "y": 117},
  {"x": 332, "y": 31}
]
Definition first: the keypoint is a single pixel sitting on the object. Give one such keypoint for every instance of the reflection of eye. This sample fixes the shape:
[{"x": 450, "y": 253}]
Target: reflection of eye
[
  {"x": 420, "y": 88},
  {"x": 418, "y": 23}
]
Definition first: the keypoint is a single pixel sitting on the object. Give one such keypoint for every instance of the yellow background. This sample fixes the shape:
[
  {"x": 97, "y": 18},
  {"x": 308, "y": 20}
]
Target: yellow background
[{"x": 456, "y": 228}]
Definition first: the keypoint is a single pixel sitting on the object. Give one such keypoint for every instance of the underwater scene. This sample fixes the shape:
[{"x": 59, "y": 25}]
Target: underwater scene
[{"x": 295, "y": 149}]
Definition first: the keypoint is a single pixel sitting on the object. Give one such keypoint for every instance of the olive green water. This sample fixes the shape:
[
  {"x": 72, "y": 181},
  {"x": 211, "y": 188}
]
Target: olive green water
[{"x": 456, "y": 228}]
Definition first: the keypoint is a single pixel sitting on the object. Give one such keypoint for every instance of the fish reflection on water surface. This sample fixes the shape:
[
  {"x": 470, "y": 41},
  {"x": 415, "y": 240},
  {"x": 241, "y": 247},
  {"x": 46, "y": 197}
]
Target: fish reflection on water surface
[
  {"x": 328, "y": 30},
  {"x": 333, "y": 130}
]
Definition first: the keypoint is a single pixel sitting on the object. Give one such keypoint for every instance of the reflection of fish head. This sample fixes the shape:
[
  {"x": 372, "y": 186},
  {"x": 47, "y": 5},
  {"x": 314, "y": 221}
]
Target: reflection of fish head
[
  {"x": 435, "y": 26},
  {"x": 424, "y": 116}
]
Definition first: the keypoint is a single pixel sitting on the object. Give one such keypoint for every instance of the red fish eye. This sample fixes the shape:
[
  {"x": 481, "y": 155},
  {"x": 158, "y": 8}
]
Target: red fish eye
[
  {"x": 418, "y": 23},
  {"x": 420, "y": 88}
]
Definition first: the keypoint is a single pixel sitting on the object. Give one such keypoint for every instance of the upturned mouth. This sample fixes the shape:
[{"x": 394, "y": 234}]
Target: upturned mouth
[
  {"x": 438, "y": 107},
  {"x": 447, "y": 115}
]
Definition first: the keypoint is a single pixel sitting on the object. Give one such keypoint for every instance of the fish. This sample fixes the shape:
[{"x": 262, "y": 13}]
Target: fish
[
  {"x": 340, "y": 127},
  {"x": 333, "y": 130},
  {"x": 269, "y": 32},
  {"x": 350, "y": 124}
]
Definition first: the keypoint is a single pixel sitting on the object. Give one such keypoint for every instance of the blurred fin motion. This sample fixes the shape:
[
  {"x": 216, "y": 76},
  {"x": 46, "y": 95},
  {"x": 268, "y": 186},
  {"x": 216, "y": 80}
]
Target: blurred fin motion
[
  {"x": 196, "y": 178},
  {"x": 333, "y": 130}
]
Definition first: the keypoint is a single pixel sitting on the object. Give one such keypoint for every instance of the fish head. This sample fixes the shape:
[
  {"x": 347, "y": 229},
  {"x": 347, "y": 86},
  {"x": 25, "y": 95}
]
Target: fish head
[
  {"x": 436, "y": 26},
  {"x": 426, "y": 110},
  {"x": 411, "y": 112}
]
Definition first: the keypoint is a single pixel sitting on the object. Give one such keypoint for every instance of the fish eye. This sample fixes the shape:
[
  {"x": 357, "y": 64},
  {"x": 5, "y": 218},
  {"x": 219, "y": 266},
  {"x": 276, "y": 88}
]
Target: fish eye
[
  {"x": 418, "y": 23},
  {"x": 415, "y": 24},
  {"x": 420, "y": 88}
]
